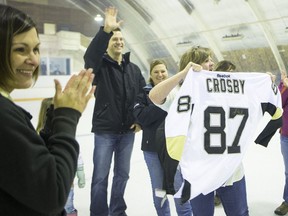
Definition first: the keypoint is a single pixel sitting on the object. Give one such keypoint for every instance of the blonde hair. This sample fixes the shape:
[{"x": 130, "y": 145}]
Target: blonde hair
[
  {"x": 45, "y": 104},
  {"x": 196, "y": 55}
]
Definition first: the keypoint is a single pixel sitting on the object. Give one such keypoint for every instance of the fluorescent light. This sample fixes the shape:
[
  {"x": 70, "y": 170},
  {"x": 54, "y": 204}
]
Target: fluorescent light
[
  {"x": 98, "y": 18},
  {"x": 233, "y": 37},
  {"x": 184, "y": 43}
]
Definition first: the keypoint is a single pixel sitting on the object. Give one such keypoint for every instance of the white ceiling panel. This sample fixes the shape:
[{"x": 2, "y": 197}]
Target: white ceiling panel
[{"x": 165, "y": 29}]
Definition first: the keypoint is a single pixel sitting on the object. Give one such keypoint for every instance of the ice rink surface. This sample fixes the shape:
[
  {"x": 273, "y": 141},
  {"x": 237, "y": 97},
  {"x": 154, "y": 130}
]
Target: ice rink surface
[{"x": 264, "y": 171}]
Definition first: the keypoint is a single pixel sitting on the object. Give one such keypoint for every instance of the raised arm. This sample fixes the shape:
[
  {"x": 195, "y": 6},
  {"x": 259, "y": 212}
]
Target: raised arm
[
  {"x": 98, "y": 46},
  {"x": 111, "y": 23},
  {"x": 158, "y": 94}
]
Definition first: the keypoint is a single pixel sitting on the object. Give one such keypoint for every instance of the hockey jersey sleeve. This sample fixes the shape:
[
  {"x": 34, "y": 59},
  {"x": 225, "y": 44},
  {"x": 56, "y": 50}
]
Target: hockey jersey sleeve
[
  {"x": 273, "y": 125},
  {"x": 176, "y": 138}
]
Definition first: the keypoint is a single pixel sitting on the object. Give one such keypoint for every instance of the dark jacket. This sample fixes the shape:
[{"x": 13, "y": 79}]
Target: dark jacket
[
  {"x": 152, "y": 121},
  {"x": 36, "y": 172},
  {"x": 151, "y": 118},
  {"x": 117, "y": 87}
]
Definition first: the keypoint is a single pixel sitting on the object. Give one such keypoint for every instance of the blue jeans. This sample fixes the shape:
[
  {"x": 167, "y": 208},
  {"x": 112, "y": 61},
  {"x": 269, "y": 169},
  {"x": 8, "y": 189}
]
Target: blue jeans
[
  {"x": 284, "y": 150},
  {"x": 233, "y": 198},
  {"x": 104, "y": 147},
  {"x": 69, "y": 206},
  {"x": 156, "y": 175}
]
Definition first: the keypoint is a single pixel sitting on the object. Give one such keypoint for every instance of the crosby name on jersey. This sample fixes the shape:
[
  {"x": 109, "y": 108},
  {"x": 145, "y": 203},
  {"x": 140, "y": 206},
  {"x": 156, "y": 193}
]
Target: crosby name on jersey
[
  {"x": 217, "y": 114},
  {"x": 223, "y": 83}
]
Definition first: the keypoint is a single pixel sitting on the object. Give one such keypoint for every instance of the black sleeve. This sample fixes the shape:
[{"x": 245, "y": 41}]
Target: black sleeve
[
  {"x": 147, "y": 113},
  {"x": 268, "y": 132},
  {"x": 270, "y": 129},
  {"x": 170, "y": 167},
  {"x": 37, "y": 176},
  {"x": 96, "y": 49}
]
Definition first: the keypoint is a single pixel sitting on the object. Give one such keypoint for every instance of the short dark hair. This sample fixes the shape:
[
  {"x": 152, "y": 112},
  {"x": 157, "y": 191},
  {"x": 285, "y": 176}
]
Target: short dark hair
[
  {"x": 224, "y": 65},
  {"x": 152, "y": 65},
  {"x": 117, "y": 29},
  {"x": 12, "y": 23}
]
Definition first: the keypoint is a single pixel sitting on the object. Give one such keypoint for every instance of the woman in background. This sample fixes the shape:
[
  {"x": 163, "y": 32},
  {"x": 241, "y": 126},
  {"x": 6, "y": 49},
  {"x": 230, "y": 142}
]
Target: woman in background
[
  {"x": 283, "y": 87},
  {"x": 151, "y": 118},
  {"x": 69, "y": 206},
  {"x": 225, "y": 65}
]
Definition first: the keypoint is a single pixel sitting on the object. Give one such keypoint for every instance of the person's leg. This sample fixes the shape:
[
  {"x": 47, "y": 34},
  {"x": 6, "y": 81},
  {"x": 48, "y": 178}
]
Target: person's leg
[
  {"x": 234, "y": 198},
  {"x": 103, "y": 151},
  {"x": 156, "y": 176},
  {"x": 283, "y": 208},
  {"x": 69, "y": 206},
  {"x": 184, "y": 209},
  {"x": 123, "y": 150},
  {"x": 217, "y": 200},
  {"x": 203, "y": 205},
  {"x": 284, "y": 151}
]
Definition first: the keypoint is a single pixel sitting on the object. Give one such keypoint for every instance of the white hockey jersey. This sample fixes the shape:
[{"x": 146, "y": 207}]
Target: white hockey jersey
[{"x": 211, "y": 122}]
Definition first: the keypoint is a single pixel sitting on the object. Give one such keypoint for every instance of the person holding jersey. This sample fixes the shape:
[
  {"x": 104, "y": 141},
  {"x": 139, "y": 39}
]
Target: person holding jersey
[{"x": 233, "y": 193}]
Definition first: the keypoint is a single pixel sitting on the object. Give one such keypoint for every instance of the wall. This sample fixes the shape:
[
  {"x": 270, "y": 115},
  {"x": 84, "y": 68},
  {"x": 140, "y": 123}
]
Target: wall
[
  {"x": 67, "y": 19},
  {"x": 255, "y": 59}
]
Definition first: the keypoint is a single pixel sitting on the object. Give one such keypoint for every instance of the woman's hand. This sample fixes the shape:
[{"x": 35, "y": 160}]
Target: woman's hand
[{"x": 77, "y": 91}]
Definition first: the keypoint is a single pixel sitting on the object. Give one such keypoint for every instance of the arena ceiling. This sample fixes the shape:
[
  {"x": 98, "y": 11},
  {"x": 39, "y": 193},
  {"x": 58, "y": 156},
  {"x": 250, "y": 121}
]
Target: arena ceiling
[{"x": 233, "y": 29}]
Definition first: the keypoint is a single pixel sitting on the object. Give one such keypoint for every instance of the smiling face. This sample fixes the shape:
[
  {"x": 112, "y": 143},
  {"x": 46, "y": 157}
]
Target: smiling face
[
  {"x": 24, "y": 58},
  {"x": 158, "y": 73},
  {"x": 116, "y": 45}
]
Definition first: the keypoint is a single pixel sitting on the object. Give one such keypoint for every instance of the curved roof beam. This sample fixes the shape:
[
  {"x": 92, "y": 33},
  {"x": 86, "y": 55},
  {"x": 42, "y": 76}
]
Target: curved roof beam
[
  {"x": 88, "y": 5},
  {"x": 79, "y": 6},
  {"x": 270, "y": 39},
  {"x": 195, "y": 16},
  {"x": 160, "y": 34},
  {"x": 208, "y": 36},
  {"x": 130, "y": 36},
  {"x": 155, "y": 28}
]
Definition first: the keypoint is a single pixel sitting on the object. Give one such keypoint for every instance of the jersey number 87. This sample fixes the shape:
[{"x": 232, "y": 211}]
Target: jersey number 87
[{"x": 184, "y": 106}]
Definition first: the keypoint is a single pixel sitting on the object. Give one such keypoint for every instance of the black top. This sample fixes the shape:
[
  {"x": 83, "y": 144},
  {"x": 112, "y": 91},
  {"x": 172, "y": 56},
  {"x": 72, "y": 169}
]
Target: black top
[
  {"x": 151, "y": 118},
  {"x": 36, "y": 172},
  {"x": 117, "y": 87}
]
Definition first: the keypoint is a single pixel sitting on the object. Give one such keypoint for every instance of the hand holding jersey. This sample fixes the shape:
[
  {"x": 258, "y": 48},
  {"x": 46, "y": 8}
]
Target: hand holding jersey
[{"x": 163, "y": 89}]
